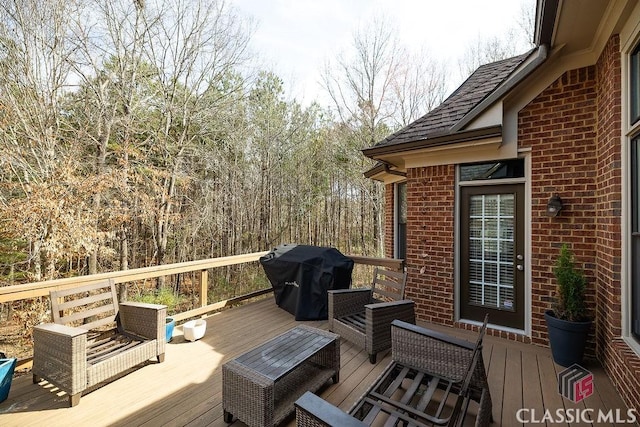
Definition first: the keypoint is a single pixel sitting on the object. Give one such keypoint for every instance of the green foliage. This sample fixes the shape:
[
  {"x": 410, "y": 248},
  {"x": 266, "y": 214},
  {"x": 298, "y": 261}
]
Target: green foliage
[
  {"x": 12, "y": 254},
  {"x": 164, "y": 296},
  {"x": 220, "y": 290},
  {"x": 571, "y": 285},
  {"x": 236, "y": 281}
]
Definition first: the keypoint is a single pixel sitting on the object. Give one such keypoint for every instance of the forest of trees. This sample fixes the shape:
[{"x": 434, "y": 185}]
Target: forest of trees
[{"x": 137, "y": 133}]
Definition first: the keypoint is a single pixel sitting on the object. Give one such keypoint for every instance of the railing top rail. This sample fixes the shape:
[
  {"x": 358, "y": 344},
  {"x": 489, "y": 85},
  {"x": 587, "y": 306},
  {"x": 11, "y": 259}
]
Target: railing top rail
[
  {"x": 37, "y": 289},
  {"x": 390, "y": 263}
]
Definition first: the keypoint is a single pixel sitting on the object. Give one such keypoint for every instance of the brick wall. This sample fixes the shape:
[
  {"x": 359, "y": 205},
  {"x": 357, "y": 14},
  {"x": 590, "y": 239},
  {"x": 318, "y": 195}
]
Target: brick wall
[
  {"x": 609, "y": 192},
  {"x": 622, "y": 365},
  {"x": 559, "y": 126},
  {"x": 573, "y": 129},
  {"x": 430, "y": 233}
]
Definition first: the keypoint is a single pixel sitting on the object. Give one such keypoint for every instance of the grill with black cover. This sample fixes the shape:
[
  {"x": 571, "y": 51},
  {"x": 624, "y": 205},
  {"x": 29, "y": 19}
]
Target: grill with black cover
[{"x": 301, "y": 275}]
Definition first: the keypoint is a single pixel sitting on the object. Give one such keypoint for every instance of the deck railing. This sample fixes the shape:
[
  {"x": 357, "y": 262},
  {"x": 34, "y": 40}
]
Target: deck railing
[{"x": 39, "y": 289}]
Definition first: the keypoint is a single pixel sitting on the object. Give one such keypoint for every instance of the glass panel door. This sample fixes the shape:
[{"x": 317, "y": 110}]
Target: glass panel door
[{"x": 492, "y": 260}]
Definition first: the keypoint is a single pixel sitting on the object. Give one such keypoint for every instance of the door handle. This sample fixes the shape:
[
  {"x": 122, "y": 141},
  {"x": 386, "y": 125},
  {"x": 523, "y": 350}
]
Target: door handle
[{"x": 520, "y": 267}]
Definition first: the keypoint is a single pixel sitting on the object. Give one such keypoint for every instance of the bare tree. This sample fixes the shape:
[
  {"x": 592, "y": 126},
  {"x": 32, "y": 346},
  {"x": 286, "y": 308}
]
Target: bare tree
[
  {"x": 361, "y": 82},
  {"x": 34, "y": 73},
  {"x": 194, "y": 46},
  {"x": 110, "y": 37},
  {"x": 419, "y": 87},
  {"x": 485, "y": 50},
  {"x": 145, "y": 101},
  {"x": 362, "y": 85},
  {"x": 376, "y": 87},
  {"x": 131, "y": 125}
]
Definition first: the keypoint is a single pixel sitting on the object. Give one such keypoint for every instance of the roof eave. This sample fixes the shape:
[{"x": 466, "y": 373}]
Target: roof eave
[
  {"x": 376, "y": 152},
  {"x": 374, "y": 171},
  {"x": 538, "y": 56},
  {"x": 383, "y": 168}
]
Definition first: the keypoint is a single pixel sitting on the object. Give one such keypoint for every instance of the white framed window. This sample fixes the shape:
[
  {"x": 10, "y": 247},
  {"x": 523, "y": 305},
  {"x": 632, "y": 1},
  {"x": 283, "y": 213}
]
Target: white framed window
[
  {"x": 630, "y": 49},
  {"x": 634, "y": 86},
  {"x": 400, "y": 221},
  {"x": 635, "y": 239}
]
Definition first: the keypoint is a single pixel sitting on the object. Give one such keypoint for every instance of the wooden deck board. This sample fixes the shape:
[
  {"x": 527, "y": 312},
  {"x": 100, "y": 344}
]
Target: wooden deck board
[
  {"x": 186, "y": 390},
  {"x": 532, "y": 388},
  {"x": 514, "y": 391},
  {"x": 495, "y": 375},
  {"x": 549, "y": 385}
]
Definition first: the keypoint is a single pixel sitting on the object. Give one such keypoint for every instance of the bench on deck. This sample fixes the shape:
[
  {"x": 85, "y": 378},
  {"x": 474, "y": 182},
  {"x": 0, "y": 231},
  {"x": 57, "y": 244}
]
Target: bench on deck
[
  {"x": 364, "y": 316},
  {"x": 431, "y": 380},
  {"x": 93, "y": 338}
]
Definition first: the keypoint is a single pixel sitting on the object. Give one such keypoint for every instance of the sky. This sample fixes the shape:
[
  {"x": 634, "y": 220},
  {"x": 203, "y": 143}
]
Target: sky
[{"x": 295, "y": 38}]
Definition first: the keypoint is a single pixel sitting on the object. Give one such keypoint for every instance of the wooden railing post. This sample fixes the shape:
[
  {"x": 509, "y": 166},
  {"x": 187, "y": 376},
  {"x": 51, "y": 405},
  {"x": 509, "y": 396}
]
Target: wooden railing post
[{"x": 204, "y": 286}]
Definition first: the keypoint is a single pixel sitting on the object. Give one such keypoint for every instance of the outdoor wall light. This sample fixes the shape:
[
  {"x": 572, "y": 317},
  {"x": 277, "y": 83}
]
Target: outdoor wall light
[{"x": 554, "y": 206}]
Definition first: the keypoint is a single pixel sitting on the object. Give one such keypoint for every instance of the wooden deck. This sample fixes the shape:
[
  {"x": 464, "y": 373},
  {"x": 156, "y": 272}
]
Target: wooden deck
[{"x": 185, "y": 390}]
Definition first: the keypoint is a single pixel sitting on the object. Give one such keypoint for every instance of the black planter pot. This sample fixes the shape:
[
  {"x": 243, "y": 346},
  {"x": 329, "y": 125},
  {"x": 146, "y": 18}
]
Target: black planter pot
[{"x": 567, "y": 339}]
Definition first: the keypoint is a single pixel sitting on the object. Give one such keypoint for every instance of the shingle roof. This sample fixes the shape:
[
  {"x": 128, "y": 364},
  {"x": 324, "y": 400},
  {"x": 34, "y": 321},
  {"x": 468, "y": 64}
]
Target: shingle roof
[{"x": 440, "y": 120}]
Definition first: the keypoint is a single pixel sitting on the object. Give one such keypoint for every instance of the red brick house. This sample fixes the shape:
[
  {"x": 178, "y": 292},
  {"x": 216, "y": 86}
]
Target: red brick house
[{"x": 470, "y": 186}]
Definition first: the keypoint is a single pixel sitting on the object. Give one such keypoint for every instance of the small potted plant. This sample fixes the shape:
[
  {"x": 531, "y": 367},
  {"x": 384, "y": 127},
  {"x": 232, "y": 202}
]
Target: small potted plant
[
  {"x": 568, "y": 322},
  {"x": 171, "y": 323},
  {"x": 7, "y": 366}
]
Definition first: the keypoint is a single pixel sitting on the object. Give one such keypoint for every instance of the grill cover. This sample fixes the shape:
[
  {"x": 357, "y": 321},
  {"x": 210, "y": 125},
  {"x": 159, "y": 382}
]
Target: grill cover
[{"x": 301, "y": 275}]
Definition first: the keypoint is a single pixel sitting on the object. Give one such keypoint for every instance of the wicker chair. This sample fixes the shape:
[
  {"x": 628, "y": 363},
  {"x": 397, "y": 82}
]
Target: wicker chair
[
  {"x": 364, "y": 316},
  {"x": 94, "y": 339},
  {"x": 431, "y": 380}
]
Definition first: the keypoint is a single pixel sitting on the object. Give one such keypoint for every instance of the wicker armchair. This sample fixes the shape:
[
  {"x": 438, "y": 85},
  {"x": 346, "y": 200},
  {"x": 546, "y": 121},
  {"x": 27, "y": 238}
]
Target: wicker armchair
[
  {"x": 364, "y": 316},
  {"x": 93, "y": 338},
  {"x": 431, "y": 380}
]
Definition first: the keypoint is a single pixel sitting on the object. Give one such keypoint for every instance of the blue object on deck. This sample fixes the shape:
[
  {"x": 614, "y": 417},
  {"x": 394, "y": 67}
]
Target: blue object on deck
[
  {"x": 7, "y": 366},
  {"x": 170, "y": 324}
]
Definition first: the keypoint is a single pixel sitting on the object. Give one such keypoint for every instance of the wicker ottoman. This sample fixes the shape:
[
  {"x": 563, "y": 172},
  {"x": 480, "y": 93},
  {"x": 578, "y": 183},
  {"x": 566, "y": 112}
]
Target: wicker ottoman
[{"x": 261, "y": 386}]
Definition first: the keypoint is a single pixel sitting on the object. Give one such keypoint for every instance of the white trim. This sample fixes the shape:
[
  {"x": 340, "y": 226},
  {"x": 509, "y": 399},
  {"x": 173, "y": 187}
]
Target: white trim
[
  {"x": 387, "y": 178},
  {"x": 630, "y": 34},
  {"x": 495, "y": 327},
  {"x": 465, "y": 152},
  {"x": 629, "y": 39},
  {"x": 456, "y": 245},
  {"x": 633, "y": 344},
  {"x": 626, "y": 263},
  {"x": 525, "y": 155},
  {"x": 488, "y": 182},
  {"x": 395, "y": 219},
  {"x": 527, "y": 244}
]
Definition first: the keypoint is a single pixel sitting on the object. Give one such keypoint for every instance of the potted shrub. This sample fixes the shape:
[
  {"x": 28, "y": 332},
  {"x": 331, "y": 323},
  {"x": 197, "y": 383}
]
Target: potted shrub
[
  {"x": 7, "y": 366},
  {"x": 568, "y": 322},
  {"x": 171, "y": 323}
]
